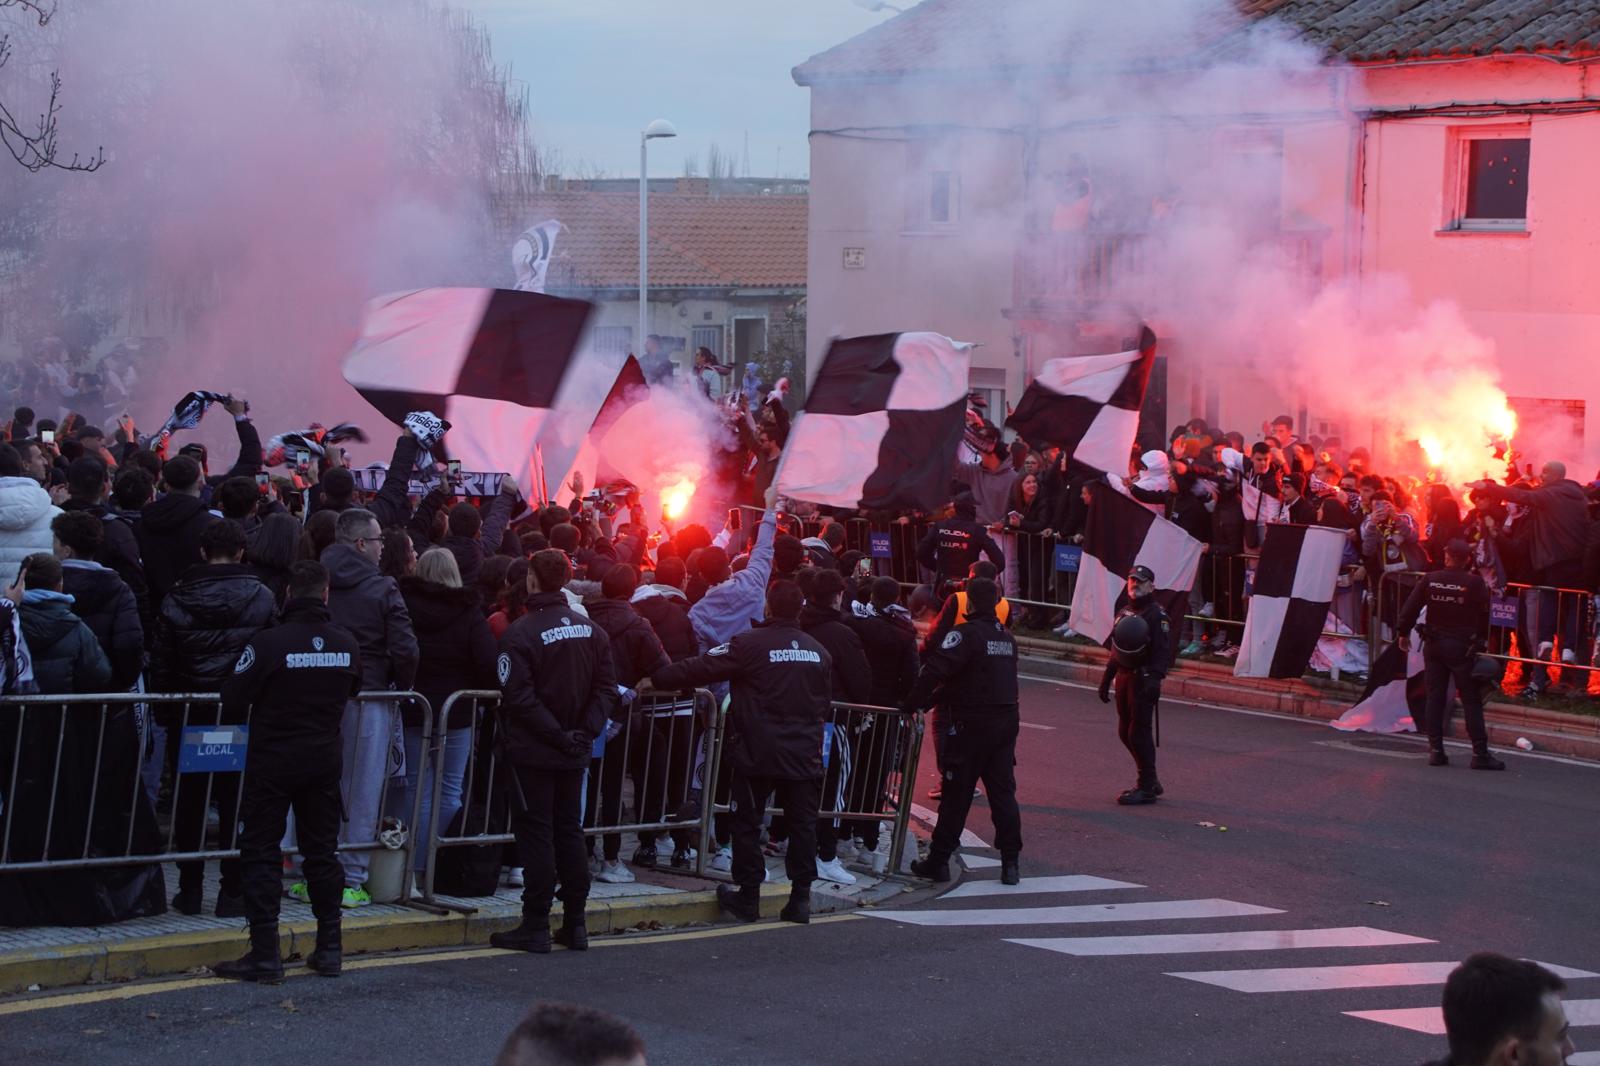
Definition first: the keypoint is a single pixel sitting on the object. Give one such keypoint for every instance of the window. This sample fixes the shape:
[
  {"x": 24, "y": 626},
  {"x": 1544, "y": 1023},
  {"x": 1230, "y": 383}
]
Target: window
[
  {"x": 943, "y": 197},
  {"x": 932, "y": 186},
  {"x": 1491, "y": 188},
  {"x": 613, "y": 339},
  {"x": 707, "y": 337}
]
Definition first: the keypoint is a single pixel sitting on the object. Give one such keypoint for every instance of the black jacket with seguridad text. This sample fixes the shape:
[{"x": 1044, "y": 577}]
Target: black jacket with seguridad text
[
  {"x": 558, "y": 685},
  {"x": 293, "y": 679}
]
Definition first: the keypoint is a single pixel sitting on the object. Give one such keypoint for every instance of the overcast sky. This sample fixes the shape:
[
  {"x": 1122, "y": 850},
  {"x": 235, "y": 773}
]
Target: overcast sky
[{"x": 599, "y": 70}]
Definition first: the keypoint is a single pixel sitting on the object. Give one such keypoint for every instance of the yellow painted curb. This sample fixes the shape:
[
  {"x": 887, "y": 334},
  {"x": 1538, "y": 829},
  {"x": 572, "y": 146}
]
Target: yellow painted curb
[{"x": 176, "y": 953}]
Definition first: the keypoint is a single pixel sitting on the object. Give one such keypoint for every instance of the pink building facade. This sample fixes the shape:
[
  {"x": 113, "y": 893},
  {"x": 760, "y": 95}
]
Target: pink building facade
[{"x": 1462, "y": 160}]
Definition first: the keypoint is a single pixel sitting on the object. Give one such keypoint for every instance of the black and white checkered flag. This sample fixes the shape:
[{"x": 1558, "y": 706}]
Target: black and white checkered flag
[
  {"x": 1118, "y": 535},
  {"x": 488, "y": 361},
  {"x": 1088, "y": 406},
  {"x": 881, "y": 424},
  {"x": 1289, "y": 600}
]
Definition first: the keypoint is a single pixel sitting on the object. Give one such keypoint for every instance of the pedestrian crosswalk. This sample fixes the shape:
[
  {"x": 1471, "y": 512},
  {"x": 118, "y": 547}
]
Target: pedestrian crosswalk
[{"x": 986, "y": 902}]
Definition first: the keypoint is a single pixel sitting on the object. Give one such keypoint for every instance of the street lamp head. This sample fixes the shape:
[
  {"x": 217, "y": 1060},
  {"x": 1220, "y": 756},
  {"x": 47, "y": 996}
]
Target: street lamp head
[{"x": 659, "y": 128}]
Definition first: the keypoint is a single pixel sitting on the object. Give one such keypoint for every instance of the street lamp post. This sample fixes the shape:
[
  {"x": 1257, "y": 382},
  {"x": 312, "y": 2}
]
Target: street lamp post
[{"x": 659, "y": 128}]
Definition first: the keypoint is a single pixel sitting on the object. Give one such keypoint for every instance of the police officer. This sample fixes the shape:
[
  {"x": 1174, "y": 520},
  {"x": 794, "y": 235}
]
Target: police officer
[
  {"x": 1140, "y": 655},
  {"x": 293, "y": 680},
  {"x": 781, "y": 694},
  {"x": 952, "y": 546},
  {"x": 973, "y": 676},
  {"x": 558, "y": 687},
  {"x": 1457, "y": 602}
]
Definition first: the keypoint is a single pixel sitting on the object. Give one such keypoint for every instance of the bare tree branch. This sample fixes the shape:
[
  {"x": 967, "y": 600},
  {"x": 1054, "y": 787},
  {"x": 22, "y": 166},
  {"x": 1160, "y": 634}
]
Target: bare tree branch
[{"x": 34, "y": 146}]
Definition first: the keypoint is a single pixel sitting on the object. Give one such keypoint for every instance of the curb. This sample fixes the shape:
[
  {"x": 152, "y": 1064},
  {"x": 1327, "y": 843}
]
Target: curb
[
  {"x": 36, "y": 969},
  {"x": 1552, "y": 732}
]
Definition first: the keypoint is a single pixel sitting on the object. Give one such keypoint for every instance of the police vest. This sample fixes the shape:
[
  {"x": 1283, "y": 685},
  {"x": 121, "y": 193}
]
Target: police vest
[{"x": 1002, "y": 610}]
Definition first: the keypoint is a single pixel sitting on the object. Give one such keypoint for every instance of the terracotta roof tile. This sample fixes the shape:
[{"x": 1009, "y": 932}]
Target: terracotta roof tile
[
  {"x": 696, "y": 241},
  {"x": 951, "y": 36}
]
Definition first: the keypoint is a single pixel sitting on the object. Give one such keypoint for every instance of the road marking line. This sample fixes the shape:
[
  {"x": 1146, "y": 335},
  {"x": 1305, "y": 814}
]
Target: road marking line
[
  {"x": 1034, "y": 725},
  {"x": 1345, "y": 745},
  {"x": 1279, "y": 716},
  {"x": 1193, "y": 943},
  {"x": 1033, "y": 885},
  {"x": 1430, "y": 1020},
  {"x": 105, "y": 995},
  {"x": 1315, "y": 978},
  {"x": 1155, "y": 911},
  {"x": 969, "y": 839},
  {"x": 979, "y": 862}
]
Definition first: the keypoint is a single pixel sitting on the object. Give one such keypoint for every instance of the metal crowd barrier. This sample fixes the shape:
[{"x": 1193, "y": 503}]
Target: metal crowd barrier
[{"x": 73, "y": 789}]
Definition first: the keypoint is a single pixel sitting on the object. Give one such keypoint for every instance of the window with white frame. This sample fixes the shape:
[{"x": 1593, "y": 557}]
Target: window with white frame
[
  {"x": 1490, "y": 187},
  {"x": 616, "y": 339}
]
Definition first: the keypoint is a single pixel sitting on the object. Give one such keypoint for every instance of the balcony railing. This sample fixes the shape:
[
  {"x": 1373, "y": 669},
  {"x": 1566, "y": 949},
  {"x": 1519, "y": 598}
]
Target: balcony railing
[{"x": 1073, "y": 270}]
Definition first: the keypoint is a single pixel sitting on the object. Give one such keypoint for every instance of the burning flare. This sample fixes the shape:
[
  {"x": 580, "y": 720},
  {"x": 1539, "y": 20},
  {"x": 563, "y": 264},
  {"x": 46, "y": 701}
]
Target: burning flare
[
  {"x": 1471, "y": 439},
  {"x": 675, "y": 499}
]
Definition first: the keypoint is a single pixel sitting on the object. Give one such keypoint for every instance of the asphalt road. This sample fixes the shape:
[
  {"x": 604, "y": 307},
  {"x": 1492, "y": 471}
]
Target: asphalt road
[{"x": 1323, "y": 832}]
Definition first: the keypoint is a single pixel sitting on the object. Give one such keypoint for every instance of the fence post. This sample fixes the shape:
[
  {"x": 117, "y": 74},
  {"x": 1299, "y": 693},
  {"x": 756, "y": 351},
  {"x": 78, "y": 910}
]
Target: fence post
[{"x": 908, "y": 789}]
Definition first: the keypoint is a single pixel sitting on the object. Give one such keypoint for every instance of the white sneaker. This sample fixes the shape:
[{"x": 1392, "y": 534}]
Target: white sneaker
[
  {"x": 1208, "y": 611},
  {"x": 614, "y": 873},
  {"x": 722, "y": 861},
  {"x": 848, "y": 851},
  {"x": 1567, "y": 656},
  {"x": 513, "y": 877},
  {"x": 1069, "y": 632},
  {"x": 1546, "y": 650},
  {"x": 834, "y": 871}
]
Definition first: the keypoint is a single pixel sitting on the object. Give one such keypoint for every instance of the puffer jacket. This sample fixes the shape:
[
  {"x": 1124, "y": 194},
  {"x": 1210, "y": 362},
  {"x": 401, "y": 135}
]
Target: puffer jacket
[
  {"x": 66, "y": 656},
  {"x": 205, "y": 621},
  {"x": 667, "y": 610},
  {"x": 168, "y": 532},
  {"x": 1559, "y": 522},
  {"x": 107, "y": 606},
  {"x": 456, "y": 648},
  {"x": 370, "y": 606},
  {"x": 889, "y": 639},
  {"x": 120, "y": 551},
  {"x": 635, "y": 650},
  {"x": 25, "y": 516}
]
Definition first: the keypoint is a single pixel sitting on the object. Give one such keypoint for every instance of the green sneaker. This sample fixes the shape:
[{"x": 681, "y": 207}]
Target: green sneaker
[
  {"x": 300, "y": 891},
  {"x": 356, "y": 897}
]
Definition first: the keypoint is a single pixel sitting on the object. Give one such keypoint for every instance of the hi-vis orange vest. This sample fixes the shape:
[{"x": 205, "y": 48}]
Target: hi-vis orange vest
[{"x": 1002, "y": 610}]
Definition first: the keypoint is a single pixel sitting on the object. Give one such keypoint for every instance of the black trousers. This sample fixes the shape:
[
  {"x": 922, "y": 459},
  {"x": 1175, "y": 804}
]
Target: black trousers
[
  {"x": 604, "y": 803},
  {"x": 308, "y": 783},
  {"x": 189, "y": 809},
  {"x": 799, "y": 800},
  {"x": 1137, "y": 696},
  {"x": 547, "y": 820},
  {"x": 1444, "y": 659},
  {"x": 979, "y": 748}
]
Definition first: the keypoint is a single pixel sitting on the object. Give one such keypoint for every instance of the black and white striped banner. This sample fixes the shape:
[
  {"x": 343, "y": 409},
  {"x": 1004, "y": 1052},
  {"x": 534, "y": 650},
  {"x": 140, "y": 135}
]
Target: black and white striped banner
[
  {"x": 881, "y": 424},
  {"x": 489, "y": 361},
  {"x": 1088, "y": 406},
  {"x": 1119, "y": 534},
  {"x": 1289, "y": 600}
]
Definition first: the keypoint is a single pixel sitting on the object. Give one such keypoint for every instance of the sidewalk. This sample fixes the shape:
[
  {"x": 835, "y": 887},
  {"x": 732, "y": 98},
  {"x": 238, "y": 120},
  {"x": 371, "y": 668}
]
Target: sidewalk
[
  {"x": 54, "y": 956},
  {"x": 1552, "y": 732}
]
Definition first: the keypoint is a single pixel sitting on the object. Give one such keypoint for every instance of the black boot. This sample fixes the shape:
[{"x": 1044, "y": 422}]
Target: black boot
[
  {"x": 328, "y": 958},
  {"x": 1010, "y": 872},
  {"x": 932, "y": 868},
  {"x": 1436, "y": 755},
  {"x": 529, "y": 936},
  {"x": 744, "y": 904},
  {"x": 573, "y": 934},
  {"x": 1138, "y": 795},
  {"x": 230, "y": 904},
  {"x": 798, "y": 909},
  {"x": 261, "y": 963},
  {"x": 1482, "y": 760},
  {"x": 188, "y": 900}
]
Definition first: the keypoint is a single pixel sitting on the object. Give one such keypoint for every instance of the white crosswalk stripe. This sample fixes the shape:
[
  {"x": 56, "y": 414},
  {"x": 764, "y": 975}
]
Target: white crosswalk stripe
[
  {"x": 1037, "y": 885},
  {"x": 1000, "y": 909},
  {"x": 1196, "y": 943},
  {"x": 1316, "y": 978},
  {"x": 1430, "y": 1020},
  {"x": 1155, "y": 911}
]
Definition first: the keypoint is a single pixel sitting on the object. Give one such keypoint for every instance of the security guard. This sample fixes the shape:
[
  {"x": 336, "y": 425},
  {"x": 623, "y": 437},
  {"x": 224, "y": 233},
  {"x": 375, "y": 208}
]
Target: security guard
[
  {"x": 1457, "y": 602},
  {"x": 953, "y": 545},
  {"x": 973, "y": 676},
  {"x": 781, "y": 695},
  {"x": 558, "y": 688},
  {"x": 293, "y": 680},
  {"x": 1140, "y": 655}
]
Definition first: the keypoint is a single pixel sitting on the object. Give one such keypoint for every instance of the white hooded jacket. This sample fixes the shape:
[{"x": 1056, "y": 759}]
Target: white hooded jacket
[{"x": 25, "y": 516}]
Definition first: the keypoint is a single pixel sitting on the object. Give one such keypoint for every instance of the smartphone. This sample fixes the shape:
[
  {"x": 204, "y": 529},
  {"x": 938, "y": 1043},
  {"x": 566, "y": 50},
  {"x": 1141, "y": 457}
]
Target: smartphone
[
  {"x": 48, "y": 436},
  {"x": 454, "y": 466},
  {"x": 734, "y": 521},
  {"x": 302, "y": 460},
  {"x": 264, "y": 483}
]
